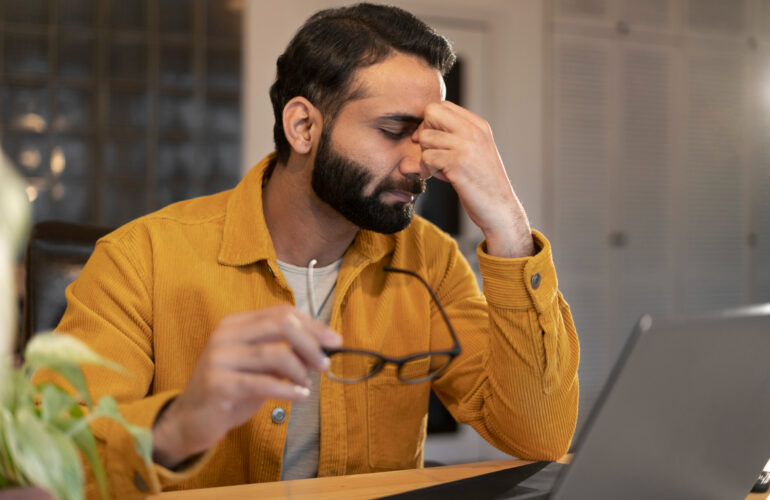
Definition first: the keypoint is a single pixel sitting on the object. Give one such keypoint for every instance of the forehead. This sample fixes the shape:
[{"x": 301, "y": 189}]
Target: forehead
[{"x": 401, "y": 84}]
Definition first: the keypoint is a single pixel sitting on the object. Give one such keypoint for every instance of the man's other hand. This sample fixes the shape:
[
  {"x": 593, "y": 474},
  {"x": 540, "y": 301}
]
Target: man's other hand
[
  {"x": 458, "y": 147},
  {"x": 250, "y": 358}
]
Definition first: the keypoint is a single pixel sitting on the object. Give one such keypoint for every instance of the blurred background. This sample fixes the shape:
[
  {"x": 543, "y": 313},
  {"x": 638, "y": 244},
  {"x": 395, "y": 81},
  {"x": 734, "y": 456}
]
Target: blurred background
[{"x": 634, "y": 131}]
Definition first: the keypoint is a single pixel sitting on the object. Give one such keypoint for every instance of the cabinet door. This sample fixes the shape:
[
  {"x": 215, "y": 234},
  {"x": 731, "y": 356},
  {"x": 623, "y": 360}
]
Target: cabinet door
[
  {"x": 714, "y": 198},
  {"x": 759, "y": 235},
  {"x": 583, "y": 79},
  {"x": 643, "y": 175},
  {"x": 718, "y": 18}
]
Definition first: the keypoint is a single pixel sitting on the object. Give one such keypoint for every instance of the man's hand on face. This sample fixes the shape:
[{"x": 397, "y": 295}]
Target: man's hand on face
[
  {"x": 458, "y": 147},
  {"x": 250, "y": 358}
]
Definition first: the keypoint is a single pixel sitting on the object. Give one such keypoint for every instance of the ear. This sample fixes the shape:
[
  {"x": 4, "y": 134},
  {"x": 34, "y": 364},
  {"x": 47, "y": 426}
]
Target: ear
[{"x": 301, "y": 124}]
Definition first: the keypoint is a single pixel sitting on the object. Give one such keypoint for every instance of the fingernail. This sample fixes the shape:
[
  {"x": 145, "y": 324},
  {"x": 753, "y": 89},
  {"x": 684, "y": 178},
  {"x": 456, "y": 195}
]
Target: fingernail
[
  {"x": 325, "y": 363},
  {"x": 302, "y": 391}
]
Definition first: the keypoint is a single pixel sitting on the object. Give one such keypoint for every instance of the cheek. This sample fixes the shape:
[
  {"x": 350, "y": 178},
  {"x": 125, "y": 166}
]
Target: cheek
[{"x": 370, "y": 150}]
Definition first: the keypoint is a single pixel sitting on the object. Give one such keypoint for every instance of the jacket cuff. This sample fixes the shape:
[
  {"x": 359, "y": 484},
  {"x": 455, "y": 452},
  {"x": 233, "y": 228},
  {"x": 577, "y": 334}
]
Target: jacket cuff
[
  {"x": 520, "y": 283},
  {"x": 126, "y": 469},
  {"x": 189, "y": 468}
]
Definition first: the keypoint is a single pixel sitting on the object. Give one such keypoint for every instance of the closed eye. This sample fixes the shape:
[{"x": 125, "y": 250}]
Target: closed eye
[{"x": 395, "y": 136}]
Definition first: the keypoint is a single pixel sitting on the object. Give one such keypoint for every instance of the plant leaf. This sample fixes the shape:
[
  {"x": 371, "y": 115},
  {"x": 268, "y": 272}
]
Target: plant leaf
[
  {"x": 10, "y": 471},
  {"x": 47, "y": 349},
  {"x": 23, "y": 393},
  {"x": 84, "y": 440},
  {"x": 74, "y": 376},
  {"x": 54, "y": 402},
  {"x": 6, "y": 385},
  {"x": 45, "y": 456},
  {"x": 107, "y": 407},
  {"x": 142, "y": 441}
]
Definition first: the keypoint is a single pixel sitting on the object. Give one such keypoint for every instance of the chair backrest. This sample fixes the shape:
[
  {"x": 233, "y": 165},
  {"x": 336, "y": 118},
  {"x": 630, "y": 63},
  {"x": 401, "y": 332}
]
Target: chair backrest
[{"x": 56, "y": 253}]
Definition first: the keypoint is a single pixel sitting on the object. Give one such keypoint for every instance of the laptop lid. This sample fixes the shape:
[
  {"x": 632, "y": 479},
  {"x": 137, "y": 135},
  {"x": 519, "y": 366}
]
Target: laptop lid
[{"x": 684, "y": 414}]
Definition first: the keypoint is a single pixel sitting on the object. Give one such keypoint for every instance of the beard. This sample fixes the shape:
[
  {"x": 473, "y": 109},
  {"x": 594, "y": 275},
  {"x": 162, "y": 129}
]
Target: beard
[{"x": 340, "y": 182}]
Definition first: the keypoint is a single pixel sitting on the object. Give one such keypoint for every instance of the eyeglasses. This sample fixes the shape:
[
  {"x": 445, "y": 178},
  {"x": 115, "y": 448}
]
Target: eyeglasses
[{"x": 356, "y": 365}]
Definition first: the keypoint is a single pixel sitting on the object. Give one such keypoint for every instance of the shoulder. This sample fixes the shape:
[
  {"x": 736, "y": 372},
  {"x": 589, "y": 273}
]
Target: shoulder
[{"x": 181, "y": 217}]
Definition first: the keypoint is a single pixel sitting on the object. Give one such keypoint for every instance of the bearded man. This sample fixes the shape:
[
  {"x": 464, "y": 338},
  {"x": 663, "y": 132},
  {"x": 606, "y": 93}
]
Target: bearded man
[{"x": 294, "y": 326}]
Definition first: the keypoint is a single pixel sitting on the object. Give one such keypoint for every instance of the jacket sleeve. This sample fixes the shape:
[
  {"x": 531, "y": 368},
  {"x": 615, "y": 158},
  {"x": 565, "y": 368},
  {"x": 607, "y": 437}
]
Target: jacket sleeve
[
  {"x": 516, "y": 380},
  {"x": 109, "y": 307}
]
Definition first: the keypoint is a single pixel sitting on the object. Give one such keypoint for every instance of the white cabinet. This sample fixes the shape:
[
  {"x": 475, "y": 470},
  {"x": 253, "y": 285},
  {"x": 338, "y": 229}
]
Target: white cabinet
[{"x": 660, "y": 163}]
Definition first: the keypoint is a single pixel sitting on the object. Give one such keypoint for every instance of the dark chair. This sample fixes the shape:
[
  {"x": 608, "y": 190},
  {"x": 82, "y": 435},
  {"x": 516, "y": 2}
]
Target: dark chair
[{"x": 56, "y": 252}]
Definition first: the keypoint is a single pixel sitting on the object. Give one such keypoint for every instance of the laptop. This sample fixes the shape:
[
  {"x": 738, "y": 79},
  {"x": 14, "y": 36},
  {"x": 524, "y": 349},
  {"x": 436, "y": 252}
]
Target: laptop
[{"x": 685, "y": 413}]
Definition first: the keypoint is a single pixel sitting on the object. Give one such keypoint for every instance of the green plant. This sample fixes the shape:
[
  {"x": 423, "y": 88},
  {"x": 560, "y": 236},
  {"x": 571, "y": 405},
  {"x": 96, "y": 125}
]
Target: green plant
[{"x": 43, "y": 426}]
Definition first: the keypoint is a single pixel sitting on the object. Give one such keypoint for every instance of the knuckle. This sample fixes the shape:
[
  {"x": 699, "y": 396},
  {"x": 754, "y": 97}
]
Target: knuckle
[
  {"x": 286, "y": 324},
  {"x": 286, "y": 309},
  {"x": 274, "y": 350},
  {"x": 241, "y": 385},
  {"x": 478, "y": 134},
  {"x": 210, "y": 384},
  {"x": 259, "y": 389}
]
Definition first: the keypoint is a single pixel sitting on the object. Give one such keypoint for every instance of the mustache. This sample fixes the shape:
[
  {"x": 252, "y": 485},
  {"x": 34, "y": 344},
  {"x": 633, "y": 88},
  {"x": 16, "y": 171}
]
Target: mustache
[{"x": 413, "y": 185}]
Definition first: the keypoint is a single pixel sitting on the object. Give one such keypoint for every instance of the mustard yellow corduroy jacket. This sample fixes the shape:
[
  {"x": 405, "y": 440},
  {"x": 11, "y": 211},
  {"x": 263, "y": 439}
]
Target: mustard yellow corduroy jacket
[{"x": 155, "y": 289}]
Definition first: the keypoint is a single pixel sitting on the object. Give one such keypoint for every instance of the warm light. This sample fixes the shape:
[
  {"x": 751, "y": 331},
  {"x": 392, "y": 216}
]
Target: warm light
[
  {"x": 57, "y": 192},
  {"x": 60, "y": 122},
  {"x": 58, "y": 162},
  {"x": 31, "y": 121},
  {"x": 30, "y": 159},
  {"x": 31, "y": 193},
  {"x": 234, "y": 5}
]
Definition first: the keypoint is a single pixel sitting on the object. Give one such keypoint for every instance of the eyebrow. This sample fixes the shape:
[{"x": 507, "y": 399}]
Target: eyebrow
[{"x": 401, "y": 118}]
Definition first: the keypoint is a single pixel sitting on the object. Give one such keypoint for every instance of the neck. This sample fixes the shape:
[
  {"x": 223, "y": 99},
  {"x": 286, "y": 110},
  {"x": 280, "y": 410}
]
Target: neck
[{"x": 301, "y": 225}]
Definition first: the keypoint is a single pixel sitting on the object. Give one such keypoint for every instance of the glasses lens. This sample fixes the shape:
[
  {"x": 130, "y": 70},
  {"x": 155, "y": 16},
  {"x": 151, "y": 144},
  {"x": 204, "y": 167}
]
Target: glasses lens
[
  {"x": 352, "y": 366},
  {"x": 423, "y": 367}
]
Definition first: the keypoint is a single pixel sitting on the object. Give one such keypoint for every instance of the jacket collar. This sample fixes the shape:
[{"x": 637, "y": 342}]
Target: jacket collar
[{"x": 246, "y": 240}]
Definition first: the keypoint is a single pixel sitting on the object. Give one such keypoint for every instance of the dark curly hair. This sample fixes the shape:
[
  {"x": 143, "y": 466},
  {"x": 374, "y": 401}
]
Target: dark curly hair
[{"x": 320, "y": 60}]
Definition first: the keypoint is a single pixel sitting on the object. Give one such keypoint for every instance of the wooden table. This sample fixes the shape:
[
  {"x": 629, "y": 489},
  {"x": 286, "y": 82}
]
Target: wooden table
[{"x": 360, "y": 486}]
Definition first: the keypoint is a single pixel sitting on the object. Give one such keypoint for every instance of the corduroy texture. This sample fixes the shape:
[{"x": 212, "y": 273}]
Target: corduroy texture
[{"x": 155, "y": 289}]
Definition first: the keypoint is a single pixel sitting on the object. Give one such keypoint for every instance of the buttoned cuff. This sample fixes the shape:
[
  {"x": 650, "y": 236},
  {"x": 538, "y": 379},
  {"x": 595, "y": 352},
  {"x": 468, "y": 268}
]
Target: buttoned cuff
[
  {"x": 126, "y": 469},
  {"x": 520, "y": 283}
]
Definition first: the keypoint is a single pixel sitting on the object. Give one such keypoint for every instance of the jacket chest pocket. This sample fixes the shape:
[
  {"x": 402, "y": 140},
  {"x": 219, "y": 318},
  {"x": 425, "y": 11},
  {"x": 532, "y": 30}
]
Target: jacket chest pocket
[{"x": 397, "y": 416}]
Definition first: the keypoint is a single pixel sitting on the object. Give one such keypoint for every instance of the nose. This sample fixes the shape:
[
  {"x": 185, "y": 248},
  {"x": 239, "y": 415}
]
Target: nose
[{"x": 412, "y": 163}]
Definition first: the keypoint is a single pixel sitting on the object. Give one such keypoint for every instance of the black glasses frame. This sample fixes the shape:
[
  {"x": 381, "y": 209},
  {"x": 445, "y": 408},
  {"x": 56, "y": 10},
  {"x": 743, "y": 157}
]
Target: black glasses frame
[{"x": 400, "y": 362}]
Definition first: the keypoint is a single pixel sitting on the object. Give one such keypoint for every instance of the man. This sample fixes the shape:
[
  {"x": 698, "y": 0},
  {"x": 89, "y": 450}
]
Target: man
[{"x": 205, "y": 302}]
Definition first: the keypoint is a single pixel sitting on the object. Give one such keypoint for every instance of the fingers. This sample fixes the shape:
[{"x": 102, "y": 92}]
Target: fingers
[
  {"x": 454, "y": 141},
  {"x": 450, "y": 117},
  {"x": 438, "y": 159},
  {"x": 282, "y": 324},
  {"x": 435, "y": 139},
  {"x": 276, "y": 359},
  {"x": 237, "y": 387}
]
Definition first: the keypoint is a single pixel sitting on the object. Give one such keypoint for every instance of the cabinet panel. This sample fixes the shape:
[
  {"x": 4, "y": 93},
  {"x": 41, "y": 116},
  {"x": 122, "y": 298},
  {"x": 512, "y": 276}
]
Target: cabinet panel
[
  {"x": 586, "y": 9},
  {"x": 649, "y": 13},
  {"x": 759, "y": 234},
  {"x": 713, "y": 180},
  {"x": 582, "y": 77},
  {"x": 643, "y": 175},
  {"x": 717, "y": 16},
  {"x": 661, "y": 164}
]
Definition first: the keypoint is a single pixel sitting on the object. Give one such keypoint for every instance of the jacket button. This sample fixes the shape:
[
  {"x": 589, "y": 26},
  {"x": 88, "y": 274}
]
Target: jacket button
[
  {"x": 278, "y": 415},
  {"x": 139, "y": 482},
  {"x": 535, "y": 281}
]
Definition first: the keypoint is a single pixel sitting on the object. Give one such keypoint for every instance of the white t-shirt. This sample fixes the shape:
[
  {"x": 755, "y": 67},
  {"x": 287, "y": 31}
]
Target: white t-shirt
[{"x": 300, "y": 456}]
